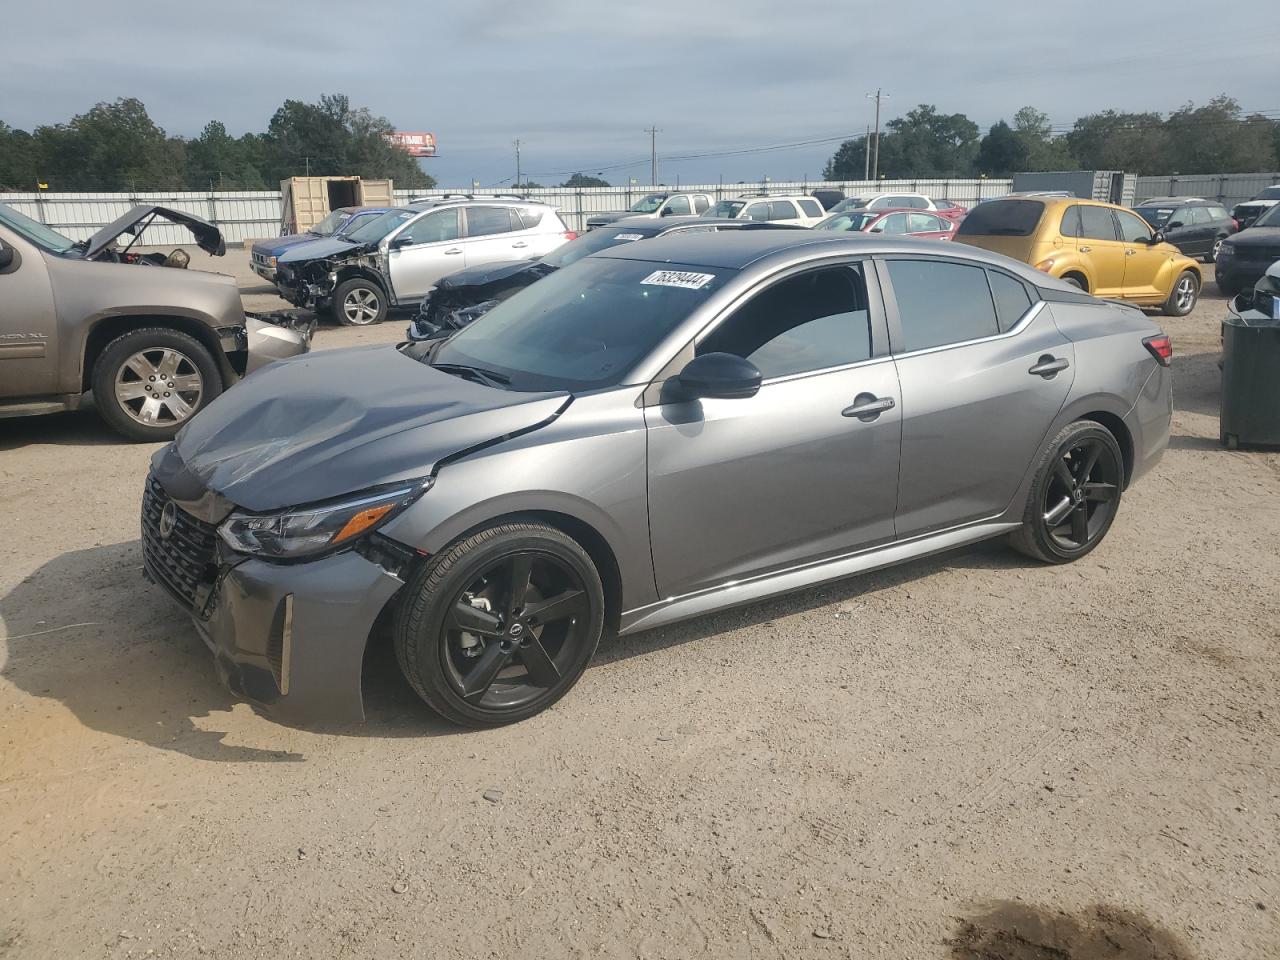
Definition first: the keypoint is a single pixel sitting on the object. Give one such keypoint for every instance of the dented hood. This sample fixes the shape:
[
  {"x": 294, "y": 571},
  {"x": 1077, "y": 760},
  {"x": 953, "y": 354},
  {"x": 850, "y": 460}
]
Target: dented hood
[
  {"x": 485, "y": 274},
  {"x": 319, "y": 248},
  {"x": 336, "y": 422}
]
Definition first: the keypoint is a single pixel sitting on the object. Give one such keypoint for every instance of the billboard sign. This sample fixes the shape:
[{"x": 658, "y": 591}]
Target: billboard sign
[{"x": 414, "y": 142}]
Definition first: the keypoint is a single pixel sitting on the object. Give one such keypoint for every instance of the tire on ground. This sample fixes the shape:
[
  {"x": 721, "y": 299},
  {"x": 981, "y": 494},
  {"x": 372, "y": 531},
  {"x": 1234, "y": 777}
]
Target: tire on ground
[
  {"x": 112, "y": 359},
  {"x": 373, "y": 296}
]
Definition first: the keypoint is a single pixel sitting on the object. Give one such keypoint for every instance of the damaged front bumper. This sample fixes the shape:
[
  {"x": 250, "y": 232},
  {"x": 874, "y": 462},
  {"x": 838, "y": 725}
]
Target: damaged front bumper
[{"x": 264, "y": 338}]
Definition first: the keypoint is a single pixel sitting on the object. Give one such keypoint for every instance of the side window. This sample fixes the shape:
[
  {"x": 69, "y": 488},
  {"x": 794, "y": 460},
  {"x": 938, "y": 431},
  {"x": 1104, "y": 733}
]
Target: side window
[
  {"x": 1200, "y": 215},
  {"x": 435, "y": 227},
  {"x": 1011, "y": 299},
  {"x": 1218, "y": 213},
  {"x": 1133, "y": 229},
  {"x": 781, "y": 210},
  {"x": 485, "y": 221},
  {"x": 701, "y": 204},
  {"x": 922, "y": 223},
  {"x": 679, "y": 207},
  {"x": 1071, "y": 222},
  {"x": 1097, "y": 223},
  {"x": 894, "y": 223},
  {"x": 757, "y": 211},
  {"x": 920, "y": 203},
  {"x": 529, "y": 217},
  {"x": 810, "y": 207},
  {"x": 879, "y": 203},
  {"x": 810, "y": 322},
  {"x": 941, "y": 303}
]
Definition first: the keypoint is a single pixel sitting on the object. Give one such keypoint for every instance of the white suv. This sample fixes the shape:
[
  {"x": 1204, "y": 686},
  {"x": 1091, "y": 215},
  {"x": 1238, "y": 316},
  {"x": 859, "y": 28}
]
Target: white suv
[
  {"x": 396, "y": 258},
  {"x": 882, "y": 201},
  {"x": 795, "y": 209}
]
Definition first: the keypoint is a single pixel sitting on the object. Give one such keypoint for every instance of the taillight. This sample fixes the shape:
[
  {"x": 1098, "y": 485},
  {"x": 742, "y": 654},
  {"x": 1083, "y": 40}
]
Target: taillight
[
  {"x": 1160, "y": 347},
  {"x": 1046, "y": 265},
  {"x": 570, "y": 235}
]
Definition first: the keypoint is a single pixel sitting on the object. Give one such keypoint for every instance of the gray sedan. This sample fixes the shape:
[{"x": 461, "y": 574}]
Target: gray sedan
[{"x": 661, "y": 430}]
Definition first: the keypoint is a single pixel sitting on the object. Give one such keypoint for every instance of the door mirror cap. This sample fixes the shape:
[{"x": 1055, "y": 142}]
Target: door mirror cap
[
  {"x": 6, "y": 256},
  {"x": 399, "y": 242},
  {"x": 1157, "y": 237},
  {"x": 719, "y": 376},
  {"x": 1174, "y": 226}
]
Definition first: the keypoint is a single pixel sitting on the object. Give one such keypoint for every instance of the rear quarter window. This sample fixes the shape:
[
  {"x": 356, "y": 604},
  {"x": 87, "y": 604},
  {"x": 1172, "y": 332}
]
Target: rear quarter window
[
  {"x": 1003, "y": 218},
  {"x": 810, "y": 208}
]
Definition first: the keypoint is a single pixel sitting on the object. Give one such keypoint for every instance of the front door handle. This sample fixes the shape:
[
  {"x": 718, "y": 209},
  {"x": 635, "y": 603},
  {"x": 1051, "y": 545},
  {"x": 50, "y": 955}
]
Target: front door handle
[
  {"x": 867, "y": 407},
  {"x": 453, "y": 251},
  {"x": 1049, "y": 366},
  {"x": 1085, "y": 249},
  {"x": 1130, "y": 253},
  {"x": 520, "y": 245}
]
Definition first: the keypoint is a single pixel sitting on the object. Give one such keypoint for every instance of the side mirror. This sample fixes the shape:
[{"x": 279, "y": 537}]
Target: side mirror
[
  {"x": 665, "y": 212},
  {"x": 401, "y": 241},
  {"x": 6, "y": 256},
  {"x": 720, "y": 376},
  {"x": 1175, "y": 225},
  {"x": 1157, "y": 237}
]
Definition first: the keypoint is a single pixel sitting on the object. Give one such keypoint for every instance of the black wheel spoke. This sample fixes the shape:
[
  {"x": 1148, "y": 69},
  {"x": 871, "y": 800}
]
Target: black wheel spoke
[
  {"x": 1095, "y": 451},
  {"x": 1080, "y": 524},
  {"x": 542, "y": 669},
  {"x": 1064, "y": 475},
  {"x": 518, "y": 584},
  {"x": 474, "y": 620},
  {"x": 562, "y": 606},
  {"x": 1100, "y": 492},
  {"x": 480, "y": 677}
]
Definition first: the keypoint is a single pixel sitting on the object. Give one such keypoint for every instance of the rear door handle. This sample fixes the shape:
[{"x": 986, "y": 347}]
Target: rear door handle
[
  {"x": 520, "y": 245},
  {"x": 867, "y": 407},
  {"x": 453, "y": 251},
  {"x": 1049, "y": 366}
]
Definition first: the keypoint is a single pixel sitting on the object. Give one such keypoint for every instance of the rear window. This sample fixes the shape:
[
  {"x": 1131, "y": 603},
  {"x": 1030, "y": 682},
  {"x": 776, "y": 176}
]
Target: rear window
[
  {"x": 1271, "y": 193},
  {"x": 810, "y": 208},
  {"x": 591, "y": 241},
  {"x": 1002, "y": 218},
  {"x": 529, "y": 217}
]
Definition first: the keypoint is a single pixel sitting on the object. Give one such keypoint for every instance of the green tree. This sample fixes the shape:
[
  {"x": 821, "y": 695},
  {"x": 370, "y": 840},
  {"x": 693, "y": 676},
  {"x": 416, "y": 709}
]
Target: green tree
[
  {"x": 1001, "y": 152},
  {"x": 216, "y": 160},
  {"x": 582, "y": 180},
  {"x": 113, "y": 146},
  {"x": 925, "y": 143},
  {"x": 1216, "y": 138},
  {"x": 1110, "y": 140},
  {"x": 848, "y": 163},
  {"x": 17, "y": 159},
  {"x": 1044, "y": 150}
]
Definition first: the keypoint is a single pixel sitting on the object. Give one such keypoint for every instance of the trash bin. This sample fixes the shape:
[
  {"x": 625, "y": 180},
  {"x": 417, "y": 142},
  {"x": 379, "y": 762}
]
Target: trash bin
[{"x": 1250, "y": 411}]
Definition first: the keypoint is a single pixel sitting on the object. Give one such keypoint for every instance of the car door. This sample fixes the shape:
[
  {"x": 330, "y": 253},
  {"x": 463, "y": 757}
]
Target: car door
[
  {"x": 488, "y": 235},
  {"x": 28, "y": 322},
  {"x": 423, "y": 251},
  {"x": 1099, "y": 243},
  {"x": 755, "y": 211},
  {"x": 1143, "y": 262},
  {"x": 677, "y": 206},
  {"x": 804, "y": 470},
  {"x": 983, "y": 372},
  {"x": 895, "y": 224},
  {"x": 1180, "y": 230},
  {"x": 784, "y": 211}
]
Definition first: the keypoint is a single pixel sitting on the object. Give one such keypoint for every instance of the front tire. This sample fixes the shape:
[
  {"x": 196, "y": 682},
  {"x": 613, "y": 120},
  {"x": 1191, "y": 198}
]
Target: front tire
[
  {"x": 500, "y": 625},
  {"x": 1075, "y": 494},
  {"x": 1183, "y": 296},
  {"x": 1212, "y": 255},
  {"x": 147, "y": 384},
  {"x": 359, "y": 303}
]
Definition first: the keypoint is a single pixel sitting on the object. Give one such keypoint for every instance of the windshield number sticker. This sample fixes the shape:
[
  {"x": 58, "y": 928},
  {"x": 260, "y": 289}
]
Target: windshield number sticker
[
  {"x": 628, "y": 236},
  {"x": 678, "y": 278}
]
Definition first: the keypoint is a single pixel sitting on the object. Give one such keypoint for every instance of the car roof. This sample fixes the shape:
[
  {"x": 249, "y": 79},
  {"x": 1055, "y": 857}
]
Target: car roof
[
  {"x": 736, "y": 249},
  {"x": 1177, "y": 202}
]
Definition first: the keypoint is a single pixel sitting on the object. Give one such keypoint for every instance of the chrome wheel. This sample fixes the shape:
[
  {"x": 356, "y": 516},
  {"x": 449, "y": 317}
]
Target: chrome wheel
[
  {"x": 159, "y": 386},
  {"x": 1217, "y": 246},
  {"x": 1184, "y": 294},
  {"x": 1081, "y": 494},
  {"x": 361, "y": 306}
]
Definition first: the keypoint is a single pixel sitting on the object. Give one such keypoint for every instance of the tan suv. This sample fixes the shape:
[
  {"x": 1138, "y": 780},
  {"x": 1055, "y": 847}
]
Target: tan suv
[{"x": 155, "y": 345}]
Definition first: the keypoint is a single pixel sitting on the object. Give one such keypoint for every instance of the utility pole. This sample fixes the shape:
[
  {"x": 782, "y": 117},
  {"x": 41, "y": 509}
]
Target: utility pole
[
  {"x": 653, "y": 155},
  {"x": 308, "y": 162},
  {"x": 517, "y": 143},
  {"x": 875, "y": 164},
  {"x": 866, "y": 154}
]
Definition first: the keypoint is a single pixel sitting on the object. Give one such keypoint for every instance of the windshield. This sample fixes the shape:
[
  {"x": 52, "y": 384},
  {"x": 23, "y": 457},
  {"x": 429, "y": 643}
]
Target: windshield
[
  {"x": 589, "y": 243},
  {"x": 1269, "y": 219},
  {"x": 371, "y": 231},
  {"x": 1002, "y": 218},
  {"x": 584, "y": 327},
  {"x": 1156, "y": 216},
  {"x": 649, "y": 204},
  {"x": 848, "y": 221},
  {"x": 354, "y": 223},
  {"x": 37, "y": 233},
  {"x": 330, "y": 224},
  {"x": 853, "y": 203},
  {"x": 727, "y": 209}
]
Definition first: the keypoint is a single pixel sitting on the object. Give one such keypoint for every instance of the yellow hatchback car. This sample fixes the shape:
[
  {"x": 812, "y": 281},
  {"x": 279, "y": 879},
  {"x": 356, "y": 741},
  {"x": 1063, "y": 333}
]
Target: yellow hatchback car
[{"x": 1100, "y": 247}]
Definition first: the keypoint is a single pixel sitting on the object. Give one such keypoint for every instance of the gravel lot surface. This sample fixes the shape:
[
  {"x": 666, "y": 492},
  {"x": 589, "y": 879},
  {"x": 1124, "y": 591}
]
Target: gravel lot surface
[{"x": 970, "y": 756}]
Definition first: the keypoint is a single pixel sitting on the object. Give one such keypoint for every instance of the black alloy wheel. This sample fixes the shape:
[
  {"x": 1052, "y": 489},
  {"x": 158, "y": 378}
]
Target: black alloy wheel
[
  {"x": 1075, "y": 495},
  {"x": 501, "y": 625}
]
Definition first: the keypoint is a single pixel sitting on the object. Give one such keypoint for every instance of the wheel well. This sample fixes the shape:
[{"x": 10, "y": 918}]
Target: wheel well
[
  {"x": 1084, "y": 281},
  {"x": 1118, "y": 430},
  {"x": 588, "y": 538},
  {"x": 106, "y": 330},
  {"x": 351, "y": 273}
]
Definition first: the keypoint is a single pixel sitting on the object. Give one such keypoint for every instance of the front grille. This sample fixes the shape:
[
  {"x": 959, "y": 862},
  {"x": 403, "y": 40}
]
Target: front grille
[{"x": 183, "y": 562}]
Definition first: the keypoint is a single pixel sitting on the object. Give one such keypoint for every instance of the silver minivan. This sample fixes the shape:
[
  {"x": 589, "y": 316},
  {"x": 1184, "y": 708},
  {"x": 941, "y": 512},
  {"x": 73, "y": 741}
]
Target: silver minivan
[{"x": 394, "y": 259}]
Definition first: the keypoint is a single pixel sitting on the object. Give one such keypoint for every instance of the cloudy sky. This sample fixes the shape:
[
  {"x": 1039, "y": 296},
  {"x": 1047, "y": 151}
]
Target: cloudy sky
[{"x": 578, "y": 81}]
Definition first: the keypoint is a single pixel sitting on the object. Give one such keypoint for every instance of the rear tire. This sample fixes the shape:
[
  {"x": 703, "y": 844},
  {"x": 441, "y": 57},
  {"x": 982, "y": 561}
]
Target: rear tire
[
  {"x": 359, "y": 303},
  {"x": 1212, "y": 255},
  {"x": 1183, "y": 296},
  {"x": 147, "y": 384},
  {"x": 482, "y": 652},
  {"x": 1074, "y": 496}
]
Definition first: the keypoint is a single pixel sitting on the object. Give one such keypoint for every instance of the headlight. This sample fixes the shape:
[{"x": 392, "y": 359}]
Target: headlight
[
  {"x": 1226, "y": 250},
  {"x": 271, "y": 261},
  {"x": 304, "y": 531}
]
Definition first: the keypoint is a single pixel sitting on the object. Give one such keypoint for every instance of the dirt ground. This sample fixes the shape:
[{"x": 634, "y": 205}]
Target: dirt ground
[{"x": 971, "y": 756}]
